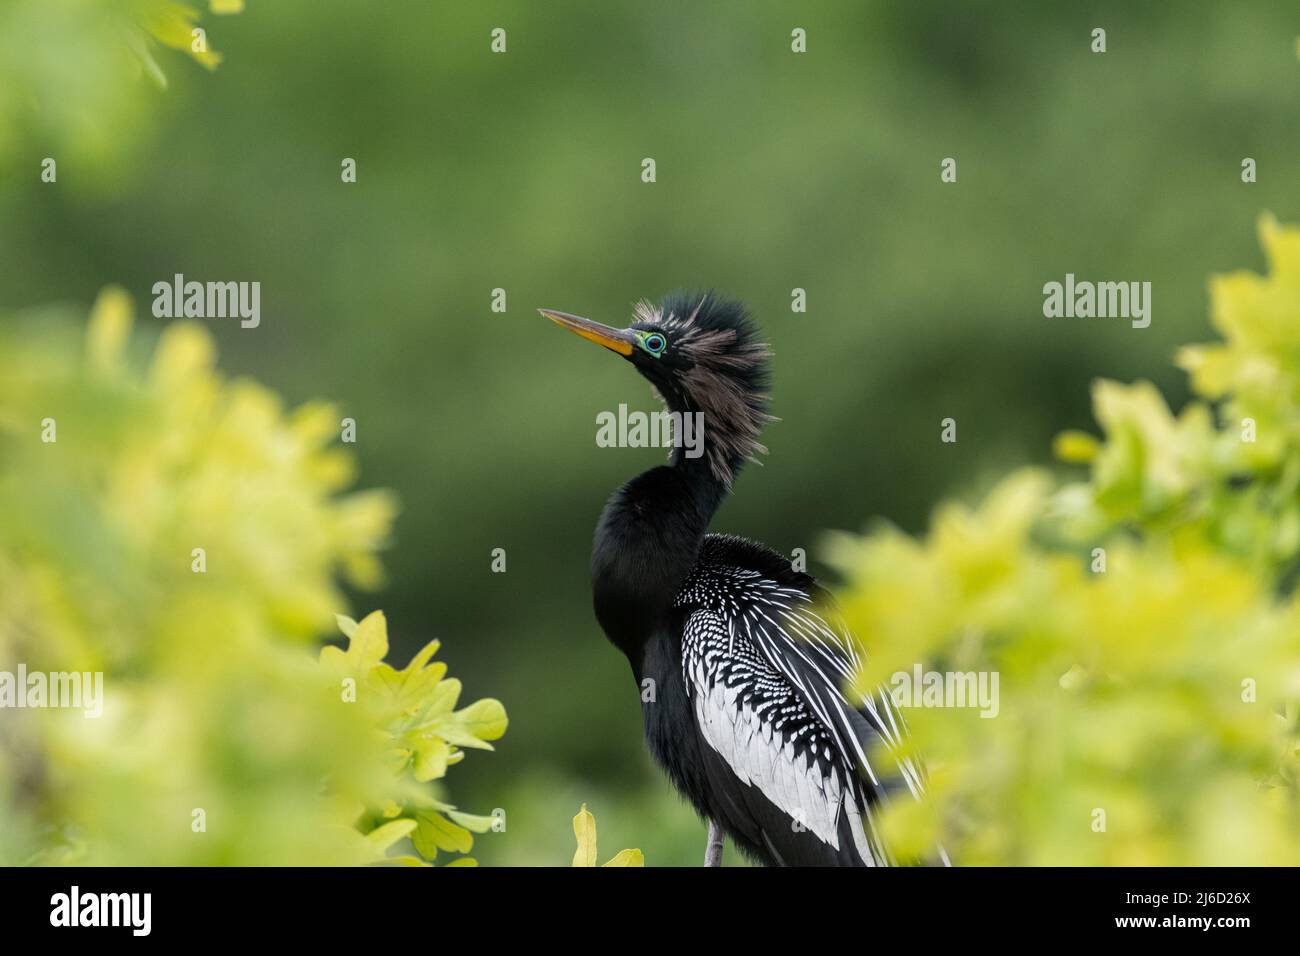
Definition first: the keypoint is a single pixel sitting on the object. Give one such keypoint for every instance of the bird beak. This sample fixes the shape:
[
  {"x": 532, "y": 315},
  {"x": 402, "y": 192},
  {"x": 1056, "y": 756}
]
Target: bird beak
[{"x": 621, "y": 341}]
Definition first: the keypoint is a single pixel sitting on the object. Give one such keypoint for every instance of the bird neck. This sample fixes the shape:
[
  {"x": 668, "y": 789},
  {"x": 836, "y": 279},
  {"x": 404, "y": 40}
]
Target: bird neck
[
  {"x": 649, "y": 535},
  {"x": 705, "y": 456},
  {"x": 646, "y": 543},
  {"x": 707, "y": 490},
  {"x": 711, "y": 443}
]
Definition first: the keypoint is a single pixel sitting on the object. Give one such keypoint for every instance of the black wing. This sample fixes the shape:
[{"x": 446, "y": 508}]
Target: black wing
[{"x": 767, "y": 673}]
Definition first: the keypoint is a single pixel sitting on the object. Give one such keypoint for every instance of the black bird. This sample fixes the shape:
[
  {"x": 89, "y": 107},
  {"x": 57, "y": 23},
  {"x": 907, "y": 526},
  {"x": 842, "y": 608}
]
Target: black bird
[{"x": 743, "y": 667}]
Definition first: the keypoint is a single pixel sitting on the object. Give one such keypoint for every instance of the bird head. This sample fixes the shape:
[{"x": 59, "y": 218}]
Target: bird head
[{"x": 701, "y": 354}]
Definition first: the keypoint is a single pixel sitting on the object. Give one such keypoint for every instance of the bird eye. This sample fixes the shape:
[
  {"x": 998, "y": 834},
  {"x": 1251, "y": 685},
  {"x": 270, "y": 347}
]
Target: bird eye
[{"x": 655, "y": 343}]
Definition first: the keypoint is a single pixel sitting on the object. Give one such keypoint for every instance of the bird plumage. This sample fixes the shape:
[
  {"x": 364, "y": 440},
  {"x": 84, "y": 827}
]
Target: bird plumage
[
  {"x": 766, "y": 669},
  {"x": 743, "y": 666}
]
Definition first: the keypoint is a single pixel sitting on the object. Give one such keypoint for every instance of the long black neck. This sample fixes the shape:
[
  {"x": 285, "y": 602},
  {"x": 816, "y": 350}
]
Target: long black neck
[{"x": 646, "y": 544}]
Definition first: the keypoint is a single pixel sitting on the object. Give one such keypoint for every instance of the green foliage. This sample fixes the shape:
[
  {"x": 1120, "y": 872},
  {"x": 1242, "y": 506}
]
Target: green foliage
[
  {"x": 81, "y": 89},
  {"x": 414, "y": 710},
  {"x": 1160, "y": 687},
  {"x": 584, "y": 831},
  {"x": 221, "y": 740},
  {"x": 172, "y": 24}
]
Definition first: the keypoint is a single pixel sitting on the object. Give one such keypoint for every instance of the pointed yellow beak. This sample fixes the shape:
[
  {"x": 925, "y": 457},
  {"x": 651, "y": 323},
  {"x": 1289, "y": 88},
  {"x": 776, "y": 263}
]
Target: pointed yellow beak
[{"x": 621, "y": 341}]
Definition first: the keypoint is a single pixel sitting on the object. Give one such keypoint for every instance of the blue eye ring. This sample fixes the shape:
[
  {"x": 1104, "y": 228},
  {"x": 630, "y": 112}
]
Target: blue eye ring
[{"x": 655, "y": 344}]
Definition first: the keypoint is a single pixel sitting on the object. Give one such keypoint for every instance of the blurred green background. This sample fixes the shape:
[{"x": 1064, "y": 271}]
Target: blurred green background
[{"x": 775, "y": 171}]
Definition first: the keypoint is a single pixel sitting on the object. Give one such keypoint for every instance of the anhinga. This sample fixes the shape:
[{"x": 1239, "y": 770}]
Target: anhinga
[{"x": 751, "y": 714}]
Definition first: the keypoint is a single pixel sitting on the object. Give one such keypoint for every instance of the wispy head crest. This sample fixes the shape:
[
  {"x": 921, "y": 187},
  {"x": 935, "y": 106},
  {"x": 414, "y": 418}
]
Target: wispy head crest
[{"x": 726, "y": 374}]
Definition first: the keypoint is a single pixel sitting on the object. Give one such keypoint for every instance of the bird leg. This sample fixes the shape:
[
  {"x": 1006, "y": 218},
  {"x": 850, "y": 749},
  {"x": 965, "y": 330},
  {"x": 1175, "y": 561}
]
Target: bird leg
[{"x": 713, "y": 849}]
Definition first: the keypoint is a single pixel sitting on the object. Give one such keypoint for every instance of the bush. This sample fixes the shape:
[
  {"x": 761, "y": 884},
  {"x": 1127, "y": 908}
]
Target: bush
[
  {"x": 1142, "y": 622},
  {"x": 182, "y": 534}
]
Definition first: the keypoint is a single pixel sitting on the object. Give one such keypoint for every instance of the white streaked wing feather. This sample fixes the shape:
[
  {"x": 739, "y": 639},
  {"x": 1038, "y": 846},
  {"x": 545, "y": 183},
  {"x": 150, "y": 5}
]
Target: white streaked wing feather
[{"x": 739, "y": 614}]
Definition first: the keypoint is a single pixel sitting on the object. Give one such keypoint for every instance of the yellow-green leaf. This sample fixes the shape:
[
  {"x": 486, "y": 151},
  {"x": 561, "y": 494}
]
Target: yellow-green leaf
[
  {"x": 472, "y": 821},
  {"x": 627, "y": 858},
  {"x": 584, "y": 830},
  {"x": 434, "y": 832},
  {"x": 1075, "y": 447},
  {"x": 472, "y": 726},
  {"x": 381, "y": 838}
]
